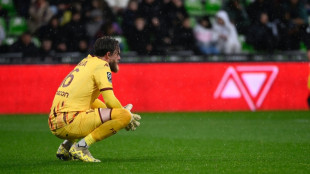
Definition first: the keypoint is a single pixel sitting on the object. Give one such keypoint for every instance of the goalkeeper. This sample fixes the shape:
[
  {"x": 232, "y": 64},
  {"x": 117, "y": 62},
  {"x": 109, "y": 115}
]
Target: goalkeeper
[{"x": 78, "y": 114}]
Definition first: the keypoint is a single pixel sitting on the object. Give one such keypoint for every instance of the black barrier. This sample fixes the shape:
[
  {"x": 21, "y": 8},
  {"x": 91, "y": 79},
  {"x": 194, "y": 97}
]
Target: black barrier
[{"x": 184, "y": 56}]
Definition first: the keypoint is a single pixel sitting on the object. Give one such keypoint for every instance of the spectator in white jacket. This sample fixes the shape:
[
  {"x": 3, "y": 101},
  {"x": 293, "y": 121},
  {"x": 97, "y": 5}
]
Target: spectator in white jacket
[
  {"x": 205, "y": 36},
  {"x": 227, "y": 37}
]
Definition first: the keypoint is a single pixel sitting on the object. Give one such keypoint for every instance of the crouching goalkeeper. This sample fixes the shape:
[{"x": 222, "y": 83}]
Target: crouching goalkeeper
[{"x": 78, "y": 116}]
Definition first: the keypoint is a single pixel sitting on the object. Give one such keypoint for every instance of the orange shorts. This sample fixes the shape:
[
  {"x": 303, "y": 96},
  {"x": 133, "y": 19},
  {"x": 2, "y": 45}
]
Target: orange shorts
[{"x": 82, "y": 124}]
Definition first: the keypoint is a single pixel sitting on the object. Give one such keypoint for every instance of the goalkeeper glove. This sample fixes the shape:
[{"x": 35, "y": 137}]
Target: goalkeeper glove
[{"x": 134, "y": 122}]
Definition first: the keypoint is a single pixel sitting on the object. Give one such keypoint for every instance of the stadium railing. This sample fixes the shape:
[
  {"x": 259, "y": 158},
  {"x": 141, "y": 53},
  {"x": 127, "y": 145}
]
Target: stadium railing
[{"x": 174, "y": 56}]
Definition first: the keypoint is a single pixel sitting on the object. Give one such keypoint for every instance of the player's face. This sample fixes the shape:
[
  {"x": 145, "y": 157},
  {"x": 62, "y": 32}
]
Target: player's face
[{"x": 114, "y": 60}]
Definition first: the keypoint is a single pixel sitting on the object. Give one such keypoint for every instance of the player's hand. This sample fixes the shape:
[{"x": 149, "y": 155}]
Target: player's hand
[{"x": 134, "y": 123}]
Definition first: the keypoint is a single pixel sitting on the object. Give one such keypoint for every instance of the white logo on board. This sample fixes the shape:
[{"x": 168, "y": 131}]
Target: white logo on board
[{"x": 250, "y": 82}]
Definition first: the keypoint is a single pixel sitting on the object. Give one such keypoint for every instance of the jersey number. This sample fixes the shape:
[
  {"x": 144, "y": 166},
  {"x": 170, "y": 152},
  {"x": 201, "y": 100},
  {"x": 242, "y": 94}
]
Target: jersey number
[{"x": 67, "y": 81}]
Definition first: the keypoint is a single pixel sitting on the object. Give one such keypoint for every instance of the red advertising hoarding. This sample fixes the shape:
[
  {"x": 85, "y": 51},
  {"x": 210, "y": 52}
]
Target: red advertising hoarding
[{"x": 169, "y": 87}]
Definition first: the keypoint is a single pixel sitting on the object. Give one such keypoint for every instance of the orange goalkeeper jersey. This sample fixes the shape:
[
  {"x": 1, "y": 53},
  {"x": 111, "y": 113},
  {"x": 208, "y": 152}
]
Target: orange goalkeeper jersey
[
  {"x": 80, "y": 88},
  {"x": 83, "y": 85}
]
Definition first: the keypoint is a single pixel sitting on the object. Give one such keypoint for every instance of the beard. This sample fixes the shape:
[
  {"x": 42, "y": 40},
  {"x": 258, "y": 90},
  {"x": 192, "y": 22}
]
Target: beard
[{"x": 114, "y": 66}]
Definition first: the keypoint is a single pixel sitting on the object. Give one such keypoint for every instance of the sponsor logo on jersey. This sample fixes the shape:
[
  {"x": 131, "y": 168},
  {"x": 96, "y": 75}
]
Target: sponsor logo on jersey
[
  {"x": 109, "y": 76},
  {"x": 62, "y": 93}
]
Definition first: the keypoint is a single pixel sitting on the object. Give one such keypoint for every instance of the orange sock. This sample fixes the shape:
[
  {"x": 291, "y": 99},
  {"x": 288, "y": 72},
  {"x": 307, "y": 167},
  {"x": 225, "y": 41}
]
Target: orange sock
[{"x": 120, "y": 118}]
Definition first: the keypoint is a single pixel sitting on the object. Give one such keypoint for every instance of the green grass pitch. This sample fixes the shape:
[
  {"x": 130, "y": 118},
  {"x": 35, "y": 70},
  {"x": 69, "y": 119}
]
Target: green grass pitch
[{"x": 208, "y": 142}]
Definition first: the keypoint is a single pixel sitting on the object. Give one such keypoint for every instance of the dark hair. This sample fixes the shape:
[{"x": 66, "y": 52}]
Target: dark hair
[
  {"x": 205, "y": 18},
  {"x": 105, "y": 44}
]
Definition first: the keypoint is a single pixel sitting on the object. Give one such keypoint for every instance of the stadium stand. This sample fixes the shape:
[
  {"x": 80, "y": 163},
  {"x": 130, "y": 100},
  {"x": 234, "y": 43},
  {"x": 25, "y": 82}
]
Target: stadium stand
[
  {"x": 212, "y": 6},
  {"x": 9, "y": 6},
  {"x": 17, "y": 26},
  {"x": 194, "y": 7},
  {"x": 168, "y": 13}
]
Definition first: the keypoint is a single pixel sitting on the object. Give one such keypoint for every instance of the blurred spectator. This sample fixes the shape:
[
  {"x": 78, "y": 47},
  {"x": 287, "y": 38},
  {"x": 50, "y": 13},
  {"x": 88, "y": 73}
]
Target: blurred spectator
[
  {"x": 162, "y": 40},
  {"x": 307, "y": 3},
  {"x": 61, "y": 46},
  {"x": 173, "y": 18},
  {"x": 108, "y": 14},
  {"x": 117, "y": 5},
  {"x": 184, "y": 37},
  {"x": 62, "y": 9},
  {"x": 257, "y": 7},
  {"x": 51, "y": 31},
  {"x": 261, "y": 35},
  {"x": 25, "y": 46},
  {"x": 83, "y": 46},
  {"x": 91, "y": 7},
  {"x": 3, "y": 47},
  {"x": 237, "y": 15},
  {"x": 75, "y": 31},
  {"x": 205, "y": 36},
  {"x": 227, "y": 37},
  {"x": 275, "y": 10},
  {"x": 139, "y": 40},
  {"x": 39, "y": 14},
  {"x": 175, "y": 13},
  {"x": 2, "y": 34},
  {"x": 129, "y": 16},
  {"x": 149, "y": 9},
  {"x": 4, "y": 16},
  {"x": 46, "y": 53},
  {"x": 109, "y": 29},
  {"x": 98, "y": 12},
  {"x": 294, "y": 25},
  {"x": 94, "y": 24},
  {"x": 22, "y": 7}
]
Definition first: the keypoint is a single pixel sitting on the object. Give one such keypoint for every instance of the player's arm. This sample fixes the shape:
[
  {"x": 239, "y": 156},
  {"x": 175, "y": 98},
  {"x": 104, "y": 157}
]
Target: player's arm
[
  {"x": 110, "y": 100},
  {"x": 98, "y": 104},
  {"x": 103, "y": 80}
]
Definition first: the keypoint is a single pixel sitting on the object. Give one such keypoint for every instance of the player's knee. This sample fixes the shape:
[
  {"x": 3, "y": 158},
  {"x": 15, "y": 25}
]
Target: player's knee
[
  {"x": 123, "y": 115},
  {"x": 126, "y": 117}
]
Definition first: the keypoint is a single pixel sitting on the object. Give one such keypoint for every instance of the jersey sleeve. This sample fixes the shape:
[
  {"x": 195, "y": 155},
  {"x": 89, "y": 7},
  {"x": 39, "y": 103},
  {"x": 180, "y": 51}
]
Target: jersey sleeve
[
  {"x": 110, "y": 99},
  {"x": 103, "y": 78}
]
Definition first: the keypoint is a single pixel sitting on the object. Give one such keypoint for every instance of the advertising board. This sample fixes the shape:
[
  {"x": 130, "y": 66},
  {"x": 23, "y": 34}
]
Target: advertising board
[{"x": 169, "y": 87}]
